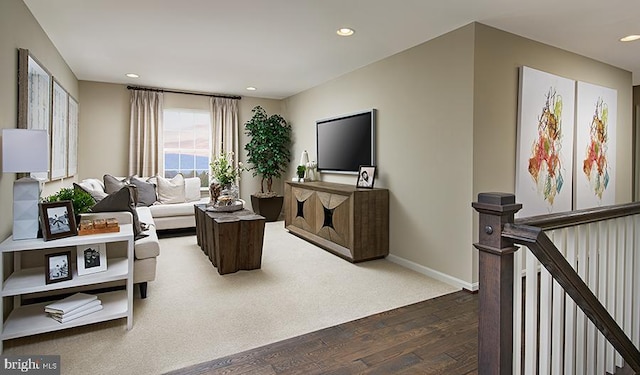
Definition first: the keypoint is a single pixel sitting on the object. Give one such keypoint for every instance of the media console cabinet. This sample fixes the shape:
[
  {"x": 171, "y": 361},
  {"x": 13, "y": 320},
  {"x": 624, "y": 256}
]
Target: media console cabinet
[{"x": 350, "y": 222}]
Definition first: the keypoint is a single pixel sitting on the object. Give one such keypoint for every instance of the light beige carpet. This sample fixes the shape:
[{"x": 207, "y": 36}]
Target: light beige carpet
[{"x": 193, "y": 315}]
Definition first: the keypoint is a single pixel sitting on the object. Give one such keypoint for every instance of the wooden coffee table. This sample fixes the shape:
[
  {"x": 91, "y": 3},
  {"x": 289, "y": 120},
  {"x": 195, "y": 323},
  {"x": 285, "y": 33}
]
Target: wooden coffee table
[{"x": 231, "y": 240}]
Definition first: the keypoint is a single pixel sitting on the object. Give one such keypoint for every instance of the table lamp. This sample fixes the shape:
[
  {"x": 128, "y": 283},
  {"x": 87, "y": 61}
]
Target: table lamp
[{"x": 25, "y": 151}]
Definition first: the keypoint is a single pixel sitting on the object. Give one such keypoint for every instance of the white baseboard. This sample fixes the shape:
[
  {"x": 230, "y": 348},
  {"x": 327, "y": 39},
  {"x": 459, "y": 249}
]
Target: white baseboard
[{"x": 433, "y": 273}]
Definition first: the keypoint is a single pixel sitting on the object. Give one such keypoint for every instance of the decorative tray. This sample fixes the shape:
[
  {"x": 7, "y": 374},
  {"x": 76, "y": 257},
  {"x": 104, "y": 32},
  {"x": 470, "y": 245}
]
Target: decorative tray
[{"x": 235, "y": 206}]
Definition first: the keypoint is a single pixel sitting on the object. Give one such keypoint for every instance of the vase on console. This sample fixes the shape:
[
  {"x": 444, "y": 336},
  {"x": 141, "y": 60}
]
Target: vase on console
[{"x": 231, "y": 190}]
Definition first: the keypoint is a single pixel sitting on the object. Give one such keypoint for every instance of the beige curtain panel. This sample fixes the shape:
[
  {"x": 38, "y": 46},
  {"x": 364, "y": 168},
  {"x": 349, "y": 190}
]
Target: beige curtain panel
[
  {"x": 145, "y": 133},
  {"x": 224, "y": 120}
]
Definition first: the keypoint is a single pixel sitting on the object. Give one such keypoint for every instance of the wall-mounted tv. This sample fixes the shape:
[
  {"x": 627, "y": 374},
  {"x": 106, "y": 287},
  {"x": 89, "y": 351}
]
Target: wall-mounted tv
[{"x": 346, "y": 142}]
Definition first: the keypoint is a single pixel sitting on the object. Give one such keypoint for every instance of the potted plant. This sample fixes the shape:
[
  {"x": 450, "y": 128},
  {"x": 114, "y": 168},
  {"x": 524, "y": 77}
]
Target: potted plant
[
  {"x": 268, "y": 152},
  {"x": 300, "y": 172},
  {"x": 226, "y": 175},
  {"x": 80, "y": 200}
]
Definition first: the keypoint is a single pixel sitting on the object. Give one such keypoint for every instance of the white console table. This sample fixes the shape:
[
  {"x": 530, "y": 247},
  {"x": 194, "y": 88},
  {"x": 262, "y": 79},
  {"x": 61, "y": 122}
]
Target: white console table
[{"x": 26, "y": 320}]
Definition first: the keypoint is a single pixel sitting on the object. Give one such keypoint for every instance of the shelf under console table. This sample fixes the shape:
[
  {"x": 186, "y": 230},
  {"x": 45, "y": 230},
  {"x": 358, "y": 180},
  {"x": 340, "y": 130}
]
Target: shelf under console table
[
  {"x": 350, "y": 222},
  {"x": 30, "y": 319}
]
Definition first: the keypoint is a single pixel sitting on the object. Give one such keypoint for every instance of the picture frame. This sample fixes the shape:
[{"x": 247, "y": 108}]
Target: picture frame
[
  {"x": 366, "y": 176},
  {"x": 58, "y": 267},
  {"x": 34, "y": 98},
  {"x": 57, "y": 220},
  {"x": 59, "y": 131},
  {"x": 91, "y": 258}
]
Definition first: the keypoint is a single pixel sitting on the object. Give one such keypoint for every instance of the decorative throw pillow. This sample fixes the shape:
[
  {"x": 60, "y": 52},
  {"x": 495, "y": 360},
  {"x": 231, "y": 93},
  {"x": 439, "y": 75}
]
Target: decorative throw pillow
[
  {"x": 113, "y": 184},
  {"x": 146, "y": 191},
  {"x": 121, "y": 200},
  {"x": 192, "y": 189},
  {"x": 93, "y": 187},
  {"x": 171, "y": 191}
]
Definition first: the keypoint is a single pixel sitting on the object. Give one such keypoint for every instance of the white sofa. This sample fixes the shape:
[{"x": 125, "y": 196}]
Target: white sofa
[{"x": 166, "y": 213}]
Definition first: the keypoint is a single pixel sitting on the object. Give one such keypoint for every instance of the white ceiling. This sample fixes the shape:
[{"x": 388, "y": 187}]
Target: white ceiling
[{"x": 283, "y": 47}]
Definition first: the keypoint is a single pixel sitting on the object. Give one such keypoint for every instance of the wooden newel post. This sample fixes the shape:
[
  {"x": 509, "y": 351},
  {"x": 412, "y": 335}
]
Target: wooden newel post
[{"x": 495, "y": 317}]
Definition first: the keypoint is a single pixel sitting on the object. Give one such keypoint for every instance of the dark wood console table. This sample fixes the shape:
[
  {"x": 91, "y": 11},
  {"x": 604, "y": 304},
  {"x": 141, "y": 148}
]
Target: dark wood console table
[
  {"x": 350, "y": 222},
  {"x": 231, "y": 240}
]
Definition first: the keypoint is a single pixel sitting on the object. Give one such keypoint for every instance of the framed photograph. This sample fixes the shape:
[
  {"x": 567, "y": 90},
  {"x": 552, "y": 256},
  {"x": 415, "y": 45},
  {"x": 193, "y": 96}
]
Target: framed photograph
[
  {"x": 58, "y": 267},
  {"x": 366, "y": 176},
  {"x": 57, "y": 220},
  {"x": 34, "y": 97},
  {"x": 92, "y": 258},
  {"x": 59, "y": 131}
]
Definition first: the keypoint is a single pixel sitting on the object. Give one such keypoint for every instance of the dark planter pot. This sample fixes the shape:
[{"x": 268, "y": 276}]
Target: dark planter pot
[{"x": 269, "y": 207}]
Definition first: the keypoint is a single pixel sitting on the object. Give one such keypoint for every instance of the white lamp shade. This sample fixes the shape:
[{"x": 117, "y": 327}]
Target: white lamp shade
[
  {"x": 304, "y": 158},
  {"x": 25, "y": 150}
]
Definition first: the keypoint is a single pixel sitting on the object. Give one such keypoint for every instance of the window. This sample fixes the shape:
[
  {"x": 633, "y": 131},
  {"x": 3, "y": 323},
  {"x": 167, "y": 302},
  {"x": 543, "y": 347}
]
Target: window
[{"x": 187, "y": 144}]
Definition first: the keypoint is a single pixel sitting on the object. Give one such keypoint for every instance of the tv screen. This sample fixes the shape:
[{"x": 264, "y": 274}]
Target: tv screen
[{"x": 345, "y": 143}]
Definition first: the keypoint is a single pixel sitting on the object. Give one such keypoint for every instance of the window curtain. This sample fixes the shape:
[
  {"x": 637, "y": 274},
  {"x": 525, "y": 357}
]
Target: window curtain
[
  {"x": 224, "y": 121},
  {"x": 145, "y": 133}
]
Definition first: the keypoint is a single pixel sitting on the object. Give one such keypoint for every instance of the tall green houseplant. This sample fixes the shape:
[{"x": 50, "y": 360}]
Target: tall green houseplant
[{"x": 268, "y": 149}]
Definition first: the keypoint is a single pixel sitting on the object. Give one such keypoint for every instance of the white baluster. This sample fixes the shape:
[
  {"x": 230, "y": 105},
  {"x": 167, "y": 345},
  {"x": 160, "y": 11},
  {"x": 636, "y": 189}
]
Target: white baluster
[{"x": 531, "y": 308}]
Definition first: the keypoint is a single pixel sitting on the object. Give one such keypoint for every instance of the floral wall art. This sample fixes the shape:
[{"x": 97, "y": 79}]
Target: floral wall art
[
  {"x": 544, "y": 161},
  {"x": 595, "y": 145}
]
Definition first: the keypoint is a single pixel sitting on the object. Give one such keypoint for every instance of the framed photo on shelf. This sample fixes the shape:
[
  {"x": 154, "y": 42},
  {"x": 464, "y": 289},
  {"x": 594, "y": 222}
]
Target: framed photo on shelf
[
  {"x": 57, "y": 220},
  {"x": 366, "y": 176},
  {"x": 92, "y": 258},
  {"x": 58, "y": 267}
]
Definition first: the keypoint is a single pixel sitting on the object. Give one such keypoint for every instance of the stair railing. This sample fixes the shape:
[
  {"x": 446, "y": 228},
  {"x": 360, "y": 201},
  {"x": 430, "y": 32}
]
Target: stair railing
[{"x": 498, "y": 236}]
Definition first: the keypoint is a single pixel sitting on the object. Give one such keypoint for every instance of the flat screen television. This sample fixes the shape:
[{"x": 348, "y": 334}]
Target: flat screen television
[{"x": 346, "y": 142}]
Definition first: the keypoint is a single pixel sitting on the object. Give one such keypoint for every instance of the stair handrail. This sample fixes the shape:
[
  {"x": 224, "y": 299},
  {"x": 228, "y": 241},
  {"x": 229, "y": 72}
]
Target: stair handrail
[{"x": 580, "y": 217}]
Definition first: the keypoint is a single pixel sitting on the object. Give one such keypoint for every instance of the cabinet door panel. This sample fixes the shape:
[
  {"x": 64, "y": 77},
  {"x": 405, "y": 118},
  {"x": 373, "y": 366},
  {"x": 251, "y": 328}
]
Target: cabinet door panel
[
  {"x": 332, "y": 218},
  {"x": 302, "y": 209}
]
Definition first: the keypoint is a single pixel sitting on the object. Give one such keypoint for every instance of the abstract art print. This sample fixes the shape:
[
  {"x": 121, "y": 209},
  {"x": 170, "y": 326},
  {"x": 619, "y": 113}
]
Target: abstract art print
[
  {"x": 595, "y": 145},
  {"x": 544, "y": 161}
]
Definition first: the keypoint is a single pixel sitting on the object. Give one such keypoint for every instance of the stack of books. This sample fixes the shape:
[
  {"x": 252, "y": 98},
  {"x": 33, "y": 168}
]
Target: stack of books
[{"x": 73, "y": 307}]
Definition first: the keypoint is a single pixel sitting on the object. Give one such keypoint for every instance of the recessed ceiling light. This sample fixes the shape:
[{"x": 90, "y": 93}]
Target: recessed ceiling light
[
  {"x": 132, "y": 75},
  {"x": 251, "y": 88},
  {"x": 345, "y": 31},
  {"x": 630, "y": 38}
]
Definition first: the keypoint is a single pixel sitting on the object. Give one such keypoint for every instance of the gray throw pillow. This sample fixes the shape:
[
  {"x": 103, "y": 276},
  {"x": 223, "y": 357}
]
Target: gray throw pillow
[
  {"x": 121, "y": 200},
  {"x": 113, "y": 184},
  {"x": 146, "y": 191}
]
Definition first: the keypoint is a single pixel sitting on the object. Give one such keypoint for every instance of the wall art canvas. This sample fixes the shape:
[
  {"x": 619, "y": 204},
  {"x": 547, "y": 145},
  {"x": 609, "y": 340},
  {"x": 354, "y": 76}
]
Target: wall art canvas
[
  {"x": 60, "y": 132},
  {"x": 595, "y": 145},
  {"x": 544, "y": 160}
]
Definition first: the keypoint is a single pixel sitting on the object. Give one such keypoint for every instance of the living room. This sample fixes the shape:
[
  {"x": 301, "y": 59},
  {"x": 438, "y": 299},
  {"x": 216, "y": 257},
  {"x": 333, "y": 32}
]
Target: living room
[{"x": 447, "y": 112}]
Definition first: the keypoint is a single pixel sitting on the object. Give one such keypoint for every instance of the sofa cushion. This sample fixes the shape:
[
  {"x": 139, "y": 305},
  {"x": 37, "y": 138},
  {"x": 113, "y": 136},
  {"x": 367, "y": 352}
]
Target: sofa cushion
[
  {"x": 171, "y": 190},
  {"x": 94, "y": 187},
  {"x": 146, "y": 191},
  {"x": 121, "y": 200},
  {"x": 113, "y": 184},
  {"x": 176, "y": 209},
  {"x": 192, "y": 189}
]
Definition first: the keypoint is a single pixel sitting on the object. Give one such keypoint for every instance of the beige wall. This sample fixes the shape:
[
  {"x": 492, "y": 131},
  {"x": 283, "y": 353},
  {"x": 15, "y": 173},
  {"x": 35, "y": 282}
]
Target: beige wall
[
  {"x": 498, "y": 55},
  {"x": 104, "y": 129},
  {"x": 447, "y": 131},
  {"x": 18, "y": 29},
  {"x": 424, "y": 98}
]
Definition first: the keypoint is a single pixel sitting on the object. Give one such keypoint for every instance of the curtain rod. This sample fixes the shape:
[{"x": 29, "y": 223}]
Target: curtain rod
[{"x": 183, "y": 92}]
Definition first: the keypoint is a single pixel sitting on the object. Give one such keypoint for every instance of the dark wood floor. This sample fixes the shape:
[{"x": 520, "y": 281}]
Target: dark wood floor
[{"x": 438, "y": 336}]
